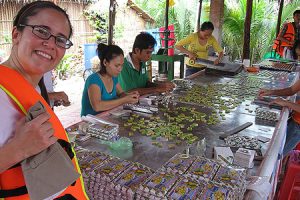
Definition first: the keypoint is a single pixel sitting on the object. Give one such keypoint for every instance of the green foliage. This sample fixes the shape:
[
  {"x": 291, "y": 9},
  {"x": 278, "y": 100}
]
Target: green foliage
[
  {"x": 233, "y": 29},
  {"x": 99, "y": 21},
  {"x": 5, "y": 38},
  {"x": 63, "y": 68},
  {"x": 263, "y": 26},
  {"x": 182, "y": 14}
]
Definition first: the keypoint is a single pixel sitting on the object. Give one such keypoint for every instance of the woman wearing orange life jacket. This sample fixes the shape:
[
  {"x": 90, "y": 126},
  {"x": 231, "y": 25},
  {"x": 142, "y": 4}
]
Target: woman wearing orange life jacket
[
  {"x": 293, "y": 129},
  {"x": 40, "y": 37},
  {"x": 287, "y": 37}
]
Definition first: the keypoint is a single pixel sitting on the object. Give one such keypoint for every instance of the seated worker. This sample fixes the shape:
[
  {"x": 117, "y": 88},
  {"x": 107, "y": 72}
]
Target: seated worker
[
  {"x": 102, "y": 90},
  {"x": 134, "y": 76},
  {"x": 198, "y": 44},
  {"x": 287, "y": 37}
]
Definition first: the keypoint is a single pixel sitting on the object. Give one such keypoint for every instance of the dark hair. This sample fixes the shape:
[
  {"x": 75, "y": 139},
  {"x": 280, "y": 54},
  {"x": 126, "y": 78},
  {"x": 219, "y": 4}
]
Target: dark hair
[
  {"x": 32, "y": 9},
  {"x": 207, "y": 26},
  {"x": 144, "y": 40},
  {"x": 296, "y": 12},
  {"x": 107, "y": 52}
]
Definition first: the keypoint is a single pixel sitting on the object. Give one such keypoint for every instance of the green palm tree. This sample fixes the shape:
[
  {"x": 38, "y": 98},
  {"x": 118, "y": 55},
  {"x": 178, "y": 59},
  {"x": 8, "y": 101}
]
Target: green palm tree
[
  {"x": 233, "y": 29},
  {"x": 263, "y": 26},
  {"x": 182, "y": 15}
]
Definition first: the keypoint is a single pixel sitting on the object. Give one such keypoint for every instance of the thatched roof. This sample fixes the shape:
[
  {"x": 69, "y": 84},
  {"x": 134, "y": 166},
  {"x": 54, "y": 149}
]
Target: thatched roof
[{"x": 140, "y": 12}]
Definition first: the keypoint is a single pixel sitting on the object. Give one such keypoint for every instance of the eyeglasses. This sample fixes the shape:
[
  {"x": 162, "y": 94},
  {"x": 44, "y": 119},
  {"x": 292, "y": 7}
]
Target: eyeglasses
[{"x": 44, "y": 34}]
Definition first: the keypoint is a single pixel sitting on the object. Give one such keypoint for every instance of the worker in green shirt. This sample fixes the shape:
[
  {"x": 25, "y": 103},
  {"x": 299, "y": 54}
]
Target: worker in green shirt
[{"x": 134, "y": 76}]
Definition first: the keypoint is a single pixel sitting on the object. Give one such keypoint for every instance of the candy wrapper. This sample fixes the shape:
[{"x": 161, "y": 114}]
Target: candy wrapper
[
  {"x": 203, "y": 169},
  {"x": 187, "y": 188},
  {"x": 111, "y": 169},
  {"x": 214, "y": 191},
  {"x": 242, "y": 141},
  {"x": 158, "y": 185},
  {"x": 133, "y": 177},
  {"x": 178, "y": 164},
  {"x": 232, "y": 178},
  {"x": 88, "y": 161}
]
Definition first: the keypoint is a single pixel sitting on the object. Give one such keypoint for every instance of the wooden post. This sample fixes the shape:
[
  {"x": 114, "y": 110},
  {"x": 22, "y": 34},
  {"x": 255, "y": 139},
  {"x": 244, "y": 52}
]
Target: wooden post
[
  {"x": 166, "y": 31},
  {"x": 111, "y": 21},
  {"x": 247, "y": 25},
  {"x": 279, "y": 17},
  {"x": 199, "y": 14},
  {"x": 216, "y": 16}
]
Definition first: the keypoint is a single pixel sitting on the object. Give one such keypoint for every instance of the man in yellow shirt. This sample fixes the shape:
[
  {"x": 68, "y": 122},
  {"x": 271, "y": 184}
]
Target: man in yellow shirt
[{"x": 198, "y": 45}]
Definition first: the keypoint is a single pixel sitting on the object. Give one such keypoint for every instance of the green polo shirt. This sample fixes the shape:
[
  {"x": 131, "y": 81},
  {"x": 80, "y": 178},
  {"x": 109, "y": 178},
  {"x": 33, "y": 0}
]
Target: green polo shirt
[{"x": 130, "y": 78}]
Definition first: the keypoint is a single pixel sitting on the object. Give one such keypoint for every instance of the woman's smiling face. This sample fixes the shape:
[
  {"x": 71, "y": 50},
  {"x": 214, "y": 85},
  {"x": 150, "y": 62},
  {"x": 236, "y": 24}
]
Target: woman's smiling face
[{"x": 35, "y": 55}]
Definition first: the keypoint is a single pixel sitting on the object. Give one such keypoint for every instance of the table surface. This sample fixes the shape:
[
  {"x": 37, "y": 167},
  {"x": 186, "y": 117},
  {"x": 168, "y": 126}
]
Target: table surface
[{"x": 154, "y": 157}]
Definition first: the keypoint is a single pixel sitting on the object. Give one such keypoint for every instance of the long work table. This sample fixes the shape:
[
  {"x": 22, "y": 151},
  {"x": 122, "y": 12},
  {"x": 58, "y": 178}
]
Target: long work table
[{"x": 207, "y": 107}]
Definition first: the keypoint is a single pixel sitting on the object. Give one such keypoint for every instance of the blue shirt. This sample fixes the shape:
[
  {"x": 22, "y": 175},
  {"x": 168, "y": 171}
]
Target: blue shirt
[{"x": 86, "y": 107}]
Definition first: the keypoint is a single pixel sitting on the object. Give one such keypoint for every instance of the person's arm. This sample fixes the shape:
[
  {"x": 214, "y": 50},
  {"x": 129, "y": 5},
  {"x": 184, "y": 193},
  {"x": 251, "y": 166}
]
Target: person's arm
[
  {"x": 152, "y": 88},
  {"x": 220, "y": 56},
  {"x": 180, "y": 46},
  {"x": 29, "y": 139},
  {"x": 101, "y": 105},
  {"x": 281, "y": 92},
  {"x": 288, "y": 104},
  {"x": 59, "y": 98}
]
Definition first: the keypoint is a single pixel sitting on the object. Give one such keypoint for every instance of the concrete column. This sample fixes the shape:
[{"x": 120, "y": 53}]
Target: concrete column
[{"x": 216, "y": 16}]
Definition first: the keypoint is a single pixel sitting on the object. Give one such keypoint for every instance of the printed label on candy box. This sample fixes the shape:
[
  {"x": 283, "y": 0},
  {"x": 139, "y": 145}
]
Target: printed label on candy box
[
  {"x": 159, "y": 183},
  {"x": 213, "y": 191},
  {"x": 91, "y": 160},
  {"x": 230, "y": 176},
  {"x": 134, "y": 176},
  {"x": 178, "y": 164},
  {"x": 203, "y": 168},
  {"x": 187, "y": 188},
  {"x": 112, "y": 169}
]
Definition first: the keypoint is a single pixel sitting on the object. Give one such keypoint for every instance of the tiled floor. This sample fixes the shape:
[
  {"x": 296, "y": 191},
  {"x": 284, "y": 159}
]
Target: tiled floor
[{"x": 73, "y": 87}]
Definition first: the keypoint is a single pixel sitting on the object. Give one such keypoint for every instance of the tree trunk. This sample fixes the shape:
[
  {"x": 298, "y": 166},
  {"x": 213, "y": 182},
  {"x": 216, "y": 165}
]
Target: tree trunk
[
  {"x": 199, "y": 15},
  {"x": 247, "y": 25},
  {"x": 279, "y": 17},
  {"x": 111, "y": 22}
]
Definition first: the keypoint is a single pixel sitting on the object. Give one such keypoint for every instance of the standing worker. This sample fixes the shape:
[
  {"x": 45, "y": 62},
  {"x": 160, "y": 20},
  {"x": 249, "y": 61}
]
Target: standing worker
[
  {"x": 198, "y": 45},
  {"x": 287, "y": 37}
]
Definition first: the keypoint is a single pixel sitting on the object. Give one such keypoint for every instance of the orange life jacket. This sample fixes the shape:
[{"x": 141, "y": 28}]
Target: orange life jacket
[
  {"x": 296, "y": 115},
  {"x": 12, "y": 183},
  {"x": 289, "y": 35}
]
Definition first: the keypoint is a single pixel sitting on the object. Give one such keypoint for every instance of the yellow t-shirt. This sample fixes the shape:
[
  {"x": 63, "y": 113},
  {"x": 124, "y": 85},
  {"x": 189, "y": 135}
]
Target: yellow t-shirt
[{"x": 195, "y": 47}]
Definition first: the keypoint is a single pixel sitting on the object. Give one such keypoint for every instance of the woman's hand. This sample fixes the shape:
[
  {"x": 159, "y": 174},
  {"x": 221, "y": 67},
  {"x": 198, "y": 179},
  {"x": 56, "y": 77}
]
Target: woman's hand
[
  {"x": 192, "y": 56},
  {"x": 59, "y": 98},
  {"x": 132, "y": 97},
  {"x": 34, "y": 136},
  {"x": 265, "y": 92},
  {"x": 217, "y": 61}
]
